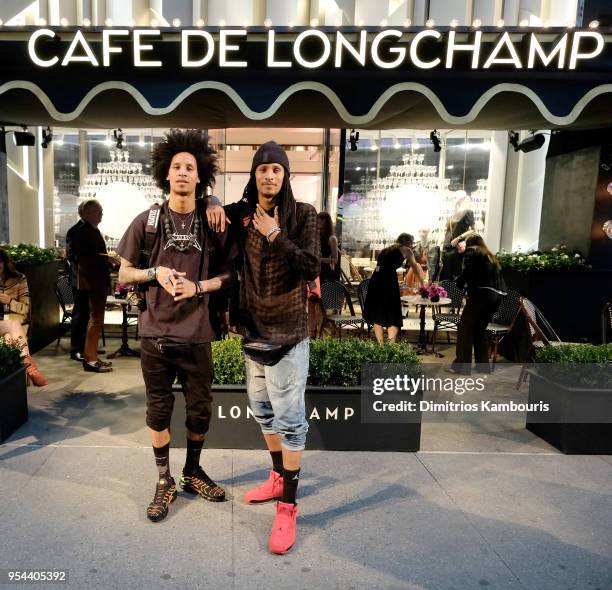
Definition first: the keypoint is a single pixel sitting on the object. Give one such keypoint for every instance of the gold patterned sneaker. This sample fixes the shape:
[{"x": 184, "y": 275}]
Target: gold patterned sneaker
[
  {"x": 199, "y": 483},
  {"x": 165, "y": 494}
]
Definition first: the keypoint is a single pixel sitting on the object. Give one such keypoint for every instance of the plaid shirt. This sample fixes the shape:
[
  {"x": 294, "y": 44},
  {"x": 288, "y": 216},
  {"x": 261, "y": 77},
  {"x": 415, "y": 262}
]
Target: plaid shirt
[{"x": 273, "y": 303}]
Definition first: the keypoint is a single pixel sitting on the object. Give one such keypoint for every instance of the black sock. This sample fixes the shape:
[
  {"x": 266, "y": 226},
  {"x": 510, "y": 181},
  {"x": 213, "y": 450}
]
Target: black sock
[
  {"x": 162, "y": 460},
  {"x": 194, "y": 448},
  {"x": 277, "y": 461},
  {"x": 290, "y": 484}
]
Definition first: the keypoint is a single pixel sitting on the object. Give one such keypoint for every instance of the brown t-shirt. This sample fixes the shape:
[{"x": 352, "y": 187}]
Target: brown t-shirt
[{"x": 181, "y": 321}]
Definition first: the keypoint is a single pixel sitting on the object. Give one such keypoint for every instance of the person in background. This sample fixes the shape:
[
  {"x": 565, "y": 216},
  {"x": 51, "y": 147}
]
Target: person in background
[
  {"x": 485, "y": 288},
  {"x": 383, "y": 306},
  {"x": 15, "y": 306},
  {"x": 93, "y": 277},
  {"x": 330, "y": 268},
  {"x": 80, "y": 309}
]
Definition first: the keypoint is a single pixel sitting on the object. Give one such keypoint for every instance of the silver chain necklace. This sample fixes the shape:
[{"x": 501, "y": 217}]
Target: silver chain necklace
[{"x": 182, "y": 221}]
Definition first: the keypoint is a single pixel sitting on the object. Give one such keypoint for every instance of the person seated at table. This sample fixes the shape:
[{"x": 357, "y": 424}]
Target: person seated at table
[
  {"x": 93, "y": 276},
  {"x": 383, "y": 307},
  {"x": 485, "y": 285},
  {"x": 15, "y": 301}
]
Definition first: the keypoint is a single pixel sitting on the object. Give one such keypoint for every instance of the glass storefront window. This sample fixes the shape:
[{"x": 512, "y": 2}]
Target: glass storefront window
[{"x": 396, "y": 182}]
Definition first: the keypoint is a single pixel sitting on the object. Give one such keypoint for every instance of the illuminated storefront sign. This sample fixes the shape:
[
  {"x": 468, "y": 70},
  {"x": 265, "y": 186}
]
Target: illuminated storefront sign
[{"x": 312, "y": 49}]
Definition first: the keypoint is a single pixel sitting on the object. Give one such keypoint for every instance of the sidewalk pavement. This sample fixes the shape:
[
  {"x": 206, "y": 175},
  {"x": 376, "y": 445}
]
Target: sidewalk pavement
[{"x": 496, "y": 510}]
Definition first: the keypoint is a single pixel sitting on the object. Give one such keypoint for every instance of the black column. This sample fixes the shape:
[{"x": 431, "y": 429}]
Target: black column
[{"x": 4, "y": 212}]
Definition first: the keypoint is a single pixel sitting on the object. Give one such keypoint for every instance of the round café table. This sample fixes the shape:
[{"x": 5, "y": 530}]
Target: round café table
[
  {"x": 424, "y": 303},
  {"x": 124, "y": 349}
]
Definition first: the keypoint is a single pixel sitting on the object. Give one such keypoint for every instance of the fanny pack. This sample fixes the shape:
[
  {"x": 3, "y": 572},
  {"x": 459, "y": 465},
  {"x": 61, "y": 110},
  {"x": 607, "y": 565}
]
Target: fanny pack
[
  {"x": 264, "y": 353},
  {"x": 173, "y": 350}
]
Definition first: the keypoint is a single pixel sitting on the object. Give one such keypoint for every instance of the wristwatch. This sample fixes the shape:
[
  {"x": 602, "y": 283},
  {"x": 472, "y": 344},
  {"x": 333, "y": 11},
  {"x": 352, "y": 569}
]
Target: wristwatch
[{"x": 152, "y": 273}]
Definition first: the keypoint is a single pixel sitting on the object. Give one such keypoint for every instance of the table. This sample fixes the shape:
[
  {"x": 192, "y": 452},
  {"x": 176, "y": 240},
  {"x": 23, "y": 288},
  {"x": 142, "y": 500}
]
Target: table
[
  {"x": 124, "y": 349},
  {"x": 424, "y": 303}
]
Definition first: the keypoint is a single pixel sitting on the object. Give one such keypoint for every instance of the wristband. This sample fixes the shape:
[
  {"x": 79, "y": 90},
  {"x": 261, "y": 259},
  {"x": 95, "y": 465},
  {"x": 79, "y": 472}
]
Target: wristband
[{"x": 272, "y": 231}]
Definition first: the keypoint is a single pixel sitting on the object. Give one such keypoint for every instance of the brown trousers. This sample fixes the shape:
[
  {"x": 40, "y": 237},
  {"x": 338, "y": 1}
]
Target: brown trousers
[{"x": 97, "y": 302}]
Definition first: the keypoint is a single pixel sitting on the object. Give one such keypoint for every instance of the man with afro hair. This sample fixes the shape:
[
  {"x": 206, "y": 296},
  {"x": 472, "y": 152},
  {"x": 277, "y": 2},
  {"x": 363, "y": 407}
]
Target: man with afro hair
[{"x": 170, "y": 250}]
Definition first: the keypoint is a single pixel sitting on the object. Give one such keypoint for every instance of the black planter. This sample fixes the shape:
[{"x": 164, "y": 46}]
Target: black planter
[
  {"x": 43, "y": 304},
  {"x": 13, "y": 403},
  {"x": 570, "y": 300},
  {"x": 334, "y": 418},
  {"x": 570, "y": 438}
]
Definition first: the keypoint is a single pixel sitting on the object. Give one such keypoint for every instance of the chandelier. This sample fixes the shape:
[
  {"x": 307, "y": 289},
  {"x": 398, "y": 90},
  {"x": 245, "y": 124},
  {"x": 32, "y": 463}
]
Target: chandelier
[{"x": 120, "y": 170}]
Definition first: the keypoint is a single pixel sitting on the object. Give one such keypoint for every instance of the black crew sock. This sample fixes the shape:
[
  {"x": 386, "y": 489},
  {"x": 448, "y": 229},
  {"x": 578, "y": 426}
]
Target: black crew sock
[
  {"x": 290, "y": 484},
  {"x": 194, "y": 448},
  {"x": 277, "y": 461},
  {"x": 162, "y": 460}
]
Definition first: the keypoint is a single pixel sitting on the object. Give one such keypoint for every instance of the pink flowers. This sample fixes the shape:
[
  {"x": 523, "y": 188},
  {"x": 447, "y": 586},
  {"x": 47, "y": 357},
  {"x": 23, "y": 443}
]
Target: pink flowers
[{"x": 433, "y": 291}]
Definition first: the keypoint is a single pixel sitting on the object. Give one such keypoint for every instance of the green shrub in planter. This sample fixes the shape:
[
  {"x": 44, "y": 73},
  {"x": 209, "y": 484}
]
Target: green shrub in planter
[
  {"x": 576, "y": 365},
  {"x": 559, "y": 258},
  {"x": 10, "y": 357},
  {"x": 332, "y": 362},
  {"x": 30, "y": 254}
]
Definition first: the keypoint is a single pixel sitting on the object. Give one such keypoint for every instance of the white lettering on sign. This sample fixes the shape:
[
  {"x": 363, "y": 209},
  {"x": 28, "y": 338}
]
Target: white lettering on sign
[
  {"x": 414, "y": 48},
  {"x": 452, "y": 46},
  {"x": 388, "y": 49},
  {"x": 139, "y": 48},
  {"x": 504, "y": 42},
  {"x": 79, "y": 41},
  {"x": 576, "y": 55},
  {"x": 186, "y": 61},
  {"x": 297, "y": 48},
  {"x": 42, "y": 63},
  {"x": 558, "y": 50},
  {"x": 107, "y": 48},
  {"x": 224, "y": 48}
]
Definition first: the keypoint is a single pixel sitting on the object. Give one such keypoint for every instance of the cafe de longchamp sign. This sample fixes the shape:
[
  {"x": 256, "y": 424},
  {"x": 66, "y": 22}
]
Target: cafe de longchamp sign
[{"x": 313, "y": 49}]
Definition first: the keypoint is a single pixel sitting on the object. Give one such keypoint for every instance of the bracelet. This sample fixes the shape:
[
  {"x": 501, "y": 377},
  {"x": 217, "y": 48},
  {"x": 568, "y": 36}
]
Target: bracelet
[
  {"x": 272, "y": 231},
  {"x": 199, "y": 294}
]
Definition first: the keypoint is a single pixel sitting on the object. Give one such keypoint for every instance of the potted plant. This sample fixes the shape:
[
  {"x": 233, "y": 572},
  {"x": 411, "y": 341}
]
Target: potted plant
[
  {"x": 40, "y": 266},
  {"x": 13, "y": 391},
  {"x": 575, "y": 381},
  {"x": 333, "y": 399}
]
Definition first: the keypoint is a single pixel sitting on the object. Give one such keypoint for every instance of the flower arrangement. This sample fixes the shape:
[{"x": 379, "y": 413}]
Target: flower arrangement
[
  {"x": 558, "y": 258},
  {"x": 433, "y": 292}
]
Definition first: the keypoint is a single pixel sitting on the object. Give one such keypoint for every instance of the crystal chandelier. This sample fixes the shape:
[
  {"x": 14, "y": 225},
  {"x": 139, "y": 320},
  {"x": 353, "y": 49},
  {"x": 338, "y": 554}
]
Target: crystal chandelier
[{"x": 120, "y": 169}]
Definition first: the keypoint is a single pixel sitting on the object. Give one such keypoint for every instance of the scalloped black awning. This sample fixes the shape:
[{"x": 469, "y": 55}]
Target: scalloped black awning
[{"x": 354, "y": 95}]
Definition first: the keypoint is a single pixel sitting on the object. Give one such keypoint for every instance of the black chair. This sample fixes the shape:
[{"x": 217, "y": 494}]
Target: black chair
[
  {"x": 448, "y": 320},
  {"x": 606, "y": 323},
  {"x": 362, "y": 293},
  {"x": 503, "y": 320},
  {"x": 65, "y": 298},
  {"x": 334, "y": 297}
]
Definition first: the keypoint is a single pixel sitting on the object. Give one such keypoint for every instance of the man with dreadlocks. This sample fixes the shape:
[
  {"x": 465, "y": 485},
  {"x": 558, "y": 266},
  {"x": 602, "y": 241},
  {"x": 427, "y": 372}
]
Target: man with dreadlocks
[
  {"x": 169, "y": 249},
  {"x": 279, "y": 240}
]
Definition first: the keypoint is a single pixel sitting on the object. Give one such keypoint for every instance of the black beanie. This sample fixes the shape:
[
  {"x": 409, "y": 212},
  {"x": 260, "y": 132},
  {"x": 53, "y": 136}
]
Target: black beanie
[{"x": 270, "y": 153}]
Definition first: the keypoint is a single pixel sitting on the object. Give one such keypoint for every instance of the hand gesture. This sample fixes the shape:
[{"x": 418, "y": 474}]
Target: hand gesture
[
  {"x": 215, "y": 214},
  {"x": 264, "y": 223},
  {"x": 169, "y": 278}
]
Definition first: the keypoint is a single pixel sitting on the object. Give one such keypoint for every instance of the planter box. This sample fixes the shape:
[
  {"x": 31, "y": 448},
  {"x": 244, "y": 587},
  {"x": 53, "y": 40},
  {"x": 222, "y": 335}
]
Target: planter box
[
  {"x": 570, "y": 300},
  {"x": 571, "y": 438},
  {"x": 13, "y": 403},
  {"x": 44, "y": 307},
  {"x": 333, "y": 414}
]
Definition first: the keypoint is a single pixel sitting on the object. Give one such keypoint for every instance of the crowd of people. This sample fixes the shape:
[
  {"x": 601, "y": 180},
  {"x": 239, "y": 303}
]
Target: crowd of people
[{"x": 259, "y": 261}]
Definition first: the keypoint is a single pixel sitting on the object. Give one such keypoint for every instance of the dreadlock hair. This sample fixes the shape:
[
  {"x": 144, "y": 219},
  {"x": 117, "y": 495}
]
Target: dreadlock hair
[
  {"x": 192, "y": 141},
  {"x": 285, "y": 201}
]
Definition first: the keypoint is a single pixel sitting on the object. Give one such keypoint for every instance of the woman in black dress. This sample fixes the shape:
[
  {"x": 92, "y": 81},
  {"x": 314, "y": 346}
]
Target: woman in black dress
[
  {"x": 383, "y": 307},
  {"x": 485, "y": 288}
]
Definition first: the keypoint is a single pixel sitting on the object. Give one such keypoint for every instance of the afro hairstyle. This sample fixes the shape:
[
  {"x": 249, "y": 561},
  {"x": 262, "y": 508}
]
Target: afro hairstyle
[{"x": 192, "y": 141}]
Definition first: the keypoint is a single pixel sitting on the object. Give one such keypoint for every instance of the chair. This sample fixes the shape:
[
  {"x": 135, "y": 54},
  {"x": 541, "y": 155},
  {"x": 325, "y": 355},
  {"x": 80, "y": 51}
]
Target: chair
[
  {"x": 362, "y": 293},
  {"x": 606, "y": 323},
  {"x": 334, "y": 297},
  {"x": 349, "y": 275},
  {"x": 542, "y": 333},
  {"x": 448, "y": 321},
  {"x": 503, "y": 321},
  {"x": 65, "y": 298}
]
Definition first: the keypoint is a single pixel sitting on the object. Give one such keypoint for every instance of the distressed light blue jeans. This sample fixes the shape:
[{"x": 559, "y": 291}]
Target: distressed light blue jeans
[{"x": 276, "y": 395}]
